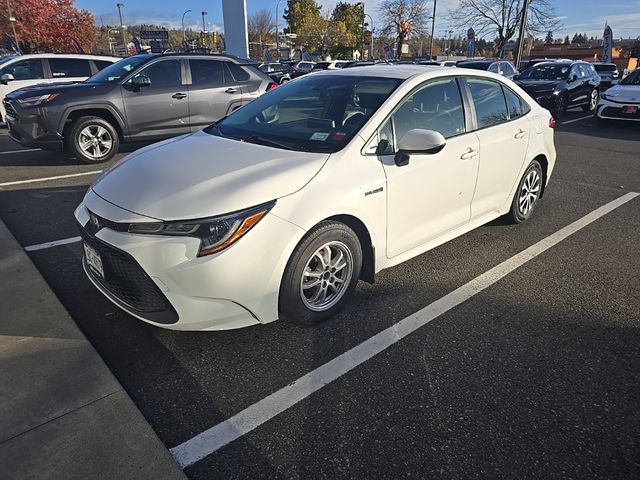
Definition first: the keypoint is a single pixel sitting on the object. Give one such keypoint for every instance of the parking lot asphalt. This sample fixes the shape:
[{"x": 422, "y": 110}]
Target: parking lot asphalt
[{"x": 534, "y": 377}]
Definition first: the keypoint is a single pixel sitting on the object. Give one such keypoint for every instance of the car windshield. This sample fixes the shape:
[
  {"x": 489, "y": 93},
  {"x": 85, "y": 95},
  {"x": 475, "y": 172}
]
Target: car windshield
[
  {"x": 118, "y": 70},
  {"x": 632, "y": 79},
  {"x": 310, "y": 114},
  {"x": 546, "y": 71}
]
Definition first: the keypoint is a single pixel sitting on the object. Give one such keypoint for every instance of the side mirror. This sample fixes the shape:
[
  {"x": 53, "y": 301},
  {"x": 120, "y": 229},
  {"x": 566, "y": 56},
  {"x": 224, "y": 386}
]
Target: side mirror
[
  {"x": 574, "y": 78},
  {"x": 141, "y": 81},
  {"x": 6, "y": 78},
  {"x": 516, "y": 77},
  {"x": 418, "y": 141}
]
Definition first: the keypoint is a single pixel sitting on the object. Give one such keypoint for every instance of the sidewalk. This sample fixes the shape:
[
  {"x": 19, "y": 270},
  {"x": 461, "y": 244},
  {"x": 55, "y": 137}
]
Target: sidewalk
[{"x": 62, "y": 413}]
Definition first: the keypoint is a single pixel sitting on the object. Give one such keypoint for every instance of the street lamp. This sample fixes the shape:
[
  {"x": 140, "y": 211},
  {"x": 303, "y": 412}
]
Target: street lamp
[
  {"x": 205, "y": 41},
  {"x": 124, "y": 43},
  {"x": 184, "y": 35},
  {"x": 372, "y": 28},
  {"x": 433, "y": 27},
  {"x": 277, "y": 39},
  {"x": 12, "y": 20}
]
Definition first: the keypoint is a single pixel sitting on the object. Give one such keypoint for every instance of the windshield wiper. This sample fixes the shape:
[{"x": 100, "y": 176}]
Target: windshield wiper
[{"x": 271, "y": 143}]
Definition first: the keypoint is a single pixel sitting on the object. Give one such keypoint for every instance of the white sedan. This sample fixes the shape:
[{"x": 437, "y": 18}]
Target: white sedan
[
  {"x": 279, "y": 209},
  {"x": 621, "y": 102}
]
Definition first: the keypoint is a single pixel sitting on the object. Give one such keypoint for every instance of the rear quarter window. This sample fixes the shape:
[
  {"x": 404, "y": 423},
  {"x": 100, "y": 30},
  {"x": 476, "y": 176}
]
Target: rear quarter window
[
  {"x": 101, "y": 64},
  {"x": 238, "y": 73},
  {"x": 69, "y": 67}
]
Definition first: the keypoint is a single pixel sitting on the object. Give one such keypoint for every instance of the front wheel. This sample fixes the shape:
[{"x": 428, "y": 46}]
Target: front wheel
[
  {"x": 527, "y": 194},
  {"x": 561, "y": 105},
  {"x": 321, "y": 274},
  {"x": 92, "y": 140},
  {"x": 593, "y": 101}
]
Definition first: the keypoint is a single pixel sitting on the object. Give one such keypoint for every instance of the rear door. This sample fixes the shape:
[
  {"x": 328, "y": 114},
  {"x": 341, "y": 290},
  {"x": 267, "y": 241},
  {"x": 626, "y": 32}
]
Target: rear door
[
  {"x": 162, "y": 108},
  {"x": 69, "y": 69},
  {"x": 25, "y": 73},
  {"x": 213, "y": 91}
]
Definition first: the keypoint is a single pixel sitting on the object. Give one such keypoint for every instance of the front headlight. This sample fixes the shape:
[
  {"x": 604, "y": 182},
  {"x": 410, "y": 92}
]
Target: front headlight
[
  {"x": 37, "y": 100},
  {"x": 215, "y": 233}
]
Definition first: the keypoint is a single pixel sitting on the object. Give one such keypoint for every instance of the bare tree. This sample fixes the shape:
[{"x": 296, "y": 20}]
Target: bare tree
[
  {"x": 502, "y": 17},
  {"x": 260, "y": 25},
  {"x": 401, "y": 18}
]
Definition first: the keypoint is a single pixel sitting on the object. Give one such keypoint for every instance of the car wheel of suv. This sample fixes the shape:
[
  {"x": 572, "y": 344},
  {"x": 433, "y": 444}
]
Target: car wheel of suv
[
  {"x": 527, "y": 194},
  {"x": 92, "y": 140},
  {"x": 593, "y": 101},
  {"x": 321, "y": 274}
]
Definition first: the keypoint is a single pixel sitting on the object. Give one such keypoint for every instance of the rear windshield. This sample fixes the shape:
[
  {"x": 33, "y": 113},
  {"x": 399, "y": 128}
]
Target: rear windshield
[
  {"x": 310, "y": 114},
  {"x": 546, "y": 71},
  {"x": 632, "y": 79}
]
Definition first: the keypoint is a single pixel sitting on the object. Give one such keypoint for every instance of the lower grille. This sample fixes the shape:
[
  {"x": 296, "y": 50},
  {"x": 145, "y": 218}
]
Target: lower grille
[
  {"x": 128, "y": 283},
  {"x": 9, "y": 109},
  {"x": 615, "y": 112}
]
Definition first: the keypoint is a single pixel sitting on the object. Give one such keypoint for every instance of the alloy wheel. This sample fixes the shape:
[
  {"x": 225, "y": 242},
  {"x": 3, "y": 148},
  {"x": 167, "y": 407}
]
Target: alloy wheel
[
  {"x": 95, "y": 141},
  {"x": 594, "y": 100},
  {"x": 326, "y": 276},
  {"x": 529, "y": 192}
]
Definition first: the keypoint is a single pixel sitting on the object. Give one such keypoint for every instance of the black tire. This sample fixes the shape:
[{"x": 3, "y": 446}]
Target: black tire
[
  {"x": 591, "y": 106},
  {"x": 561, "y": 106},
  {"x": 305, "y": 258},
  {"x": 97, "y": 130},
  {"x": 530, "y": 183}
]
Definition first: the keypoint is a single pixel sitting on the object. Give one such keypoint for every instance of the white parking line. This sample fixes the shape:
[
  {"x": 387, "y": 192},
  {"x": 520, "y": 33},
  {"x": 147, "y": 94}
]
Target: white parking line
[
  {"x": 216, "y": 437},
  {"x": 576, "y": 120},
  {"x": 55, "y": 243},
  {"x": 22, "y": 151},
  {"x": 46, "y": 179}
]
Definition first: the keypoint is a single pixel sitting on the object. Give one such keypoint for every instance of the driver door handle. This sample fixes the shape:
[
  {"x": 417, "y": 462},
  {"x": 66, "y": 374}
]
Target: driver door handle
[
  {"x": 179, "y": 96},
  {"x": 231, "y": 90},
  {"x": 470, "y": 153},
  {"x": 520, "y": 133}
]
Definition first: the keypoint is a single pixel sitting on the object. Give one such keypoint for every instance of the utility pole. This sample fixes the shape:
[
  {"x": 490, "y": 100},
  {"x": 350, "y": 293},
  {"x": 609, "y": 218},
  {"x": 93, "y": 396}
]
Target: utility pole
[
  {"x": 124, "y": 42},
  {"x": 433, "y": 27},
  {"x": 277, "y": 38},
  {"x": 12, "y": 20},
  {"x": 523, "y": 28},
  {"x": 205, "y": 40}
]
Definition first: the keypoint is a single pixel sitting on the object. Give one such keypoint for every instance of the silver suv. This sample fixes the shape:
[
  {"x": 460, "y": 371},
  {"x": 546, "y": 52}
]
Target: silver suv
[{"x": 140, "y": 98}]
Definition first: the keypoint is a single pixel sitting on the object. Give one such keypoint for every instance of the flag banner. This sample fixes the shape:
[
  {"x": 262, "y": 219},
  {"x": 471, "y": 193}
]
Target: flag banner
[
  {"x": 306, "y": 55},
  {"x": 11, "y": 43},
  {"x": 607, "y": 45},
  {"x": 471, "y": 43},
  {"x": 76, "y": 45},
  {"x": 267, "y": 54},
  {"x": 136, "y": 43}
]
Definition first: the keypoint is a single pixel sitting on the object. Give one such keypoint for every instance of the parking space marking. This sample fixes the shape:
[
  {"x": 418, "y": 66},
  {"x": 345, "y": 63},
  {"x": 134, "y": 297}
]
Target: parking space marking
[
  {"x": 55, "y": 243},
  {"x": 216, "y": 437},
  {"x": 576, "y": 120},
  {"x": 22, "y": 151},
  {"x": 46, "y": 179}
]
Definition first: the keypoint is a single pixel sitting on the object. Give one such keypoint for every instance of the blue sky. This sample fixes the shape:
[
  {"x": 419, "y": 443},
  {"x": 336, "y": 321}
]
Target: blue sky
[{"x": 577, "y": 15}]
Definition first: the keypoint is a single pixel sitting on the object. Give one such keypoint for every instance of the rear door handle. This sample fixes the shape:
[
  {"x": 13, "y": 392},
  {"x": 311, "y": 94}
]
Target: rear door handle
[
  {"x": 179, "y": 96},
  {"x": 470, "y": 153},
  {"x": 231, "y": 90},
  {"x": 520, "y": 133}
]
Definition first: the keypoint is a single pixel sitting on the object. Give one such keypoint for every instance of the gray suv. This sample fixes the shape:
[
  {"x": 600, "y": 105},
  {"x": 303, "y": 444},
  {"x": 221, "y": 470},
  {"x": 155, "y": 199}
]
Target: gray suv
[{"x": 140, "y": 98}]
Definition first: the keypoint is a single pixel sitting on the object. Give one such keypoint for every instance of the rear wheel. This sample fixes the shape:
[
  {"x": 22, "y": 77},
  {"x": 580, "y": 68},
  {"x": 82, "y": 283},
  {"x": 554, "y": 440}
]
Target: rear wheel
[
  {"x": 561, "y": 106},
  {"x": 527, "y": 194},
  {"x": 593, "y": 101},
  {"x": 92, "y": 140},
  {"x": 321, "y": 274}
]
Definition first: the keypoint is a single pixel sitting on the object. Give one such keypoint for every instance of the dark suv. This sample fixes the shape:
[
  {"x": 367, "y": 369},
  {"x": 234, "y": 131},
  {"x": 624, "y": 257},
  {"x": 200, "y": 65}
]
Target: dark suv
[
  {"x": 141, "y": 98},
  {"x": 494, "y": 65},
  {"x": 560, "y": 85}
]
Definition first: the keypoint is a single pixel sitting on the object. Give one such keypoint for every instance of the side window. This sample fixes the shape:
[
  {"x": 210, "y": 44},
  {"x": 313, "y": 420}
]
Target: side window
[
  {"x": 102, "y": 64},
  {"x": 206, "y": 72},
  {"x": 386, "y": 144},
  {"x": 488, "y": 99},
  {"x": 493, "y": 68},
  {"x": 237, "y": 72},
  {"x": 25, "y": 70},
  {"x": 163, "y": 74},
  {"x": 69, "y": 67},
  {"x": 574, "y": 71},
  {"x": 584, "y": 71},
  {"x": 436, "y": 106},
  {"x": 516, "y": 105}
]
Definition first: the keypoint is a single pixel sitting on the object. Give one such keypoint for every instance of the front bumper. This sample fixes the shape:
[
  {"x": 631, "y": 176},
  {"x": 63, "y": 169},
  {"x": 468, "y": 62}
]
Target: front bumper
[
  {"x": 609, "y": 110},
  {"x": 235, "y": 288},
  {"x": 545, "y": 99},
  {"x": 29, "y": 128}
]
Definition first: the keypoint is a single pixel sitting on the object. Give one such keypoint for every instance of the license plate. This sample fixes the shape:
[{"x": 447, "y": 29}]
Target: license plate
[
  {"x": 631, "y": 110},
  {"x": 93, "y": 260}
]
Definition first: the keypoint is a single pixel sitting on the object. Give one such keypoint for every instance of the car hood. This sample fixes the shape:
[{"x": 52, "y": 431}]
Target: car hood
[
  {"x": 538, "y": 85},
  {"x": 59, "y": 87},
  {"x": 201, "y": 175},
  {"x": 624, "y": 93}
]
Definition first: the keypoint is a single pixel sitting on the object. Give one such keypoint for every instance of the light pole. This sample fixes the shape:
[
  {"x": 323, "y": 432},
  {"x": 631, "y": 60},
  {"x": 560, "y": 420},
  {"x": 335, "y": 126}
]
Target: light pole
[
  {"x": 12, "y": 20},
  {"x": 184, "y": 35},
  {"x": 277, "y": 38},
  {"x": 124, "y": 43},
  {"x": 371, "y": 48},
  {"x": 433, "y": 27},
  {"x": 204, "y": 31},
  {"x": 523, "y": 28}
]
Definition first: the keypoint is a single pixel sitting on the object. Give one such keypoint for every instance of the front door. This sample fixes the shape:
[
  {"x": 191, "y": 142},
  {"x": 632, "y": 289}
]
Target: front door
[
  {"x": 160, "y": 109},
  {"x": 432, "y": 194},
  {"x": 25, "y": 74}
]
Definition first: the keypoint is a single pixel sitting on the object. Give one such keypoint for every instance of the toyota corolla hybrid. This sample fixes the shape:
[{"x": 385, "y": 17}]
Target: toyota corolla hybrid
[
  {"x": 621, "y": 102},
  {"x": 280, "y": 208}
]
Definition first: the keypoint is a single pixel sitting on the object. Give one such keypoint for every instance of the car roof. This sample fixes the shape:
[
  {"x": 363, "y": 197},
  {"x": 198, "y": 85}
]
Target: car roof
[
  {"x": 66, "y": 55},
  {"x": 403, "y": 71}
]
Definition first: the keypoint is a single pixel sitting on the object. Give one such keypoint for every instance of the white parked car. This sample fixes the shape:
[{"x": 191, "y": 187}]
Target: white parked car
[
  {"x": 622, "y": 101},
  {"x": 280, "y": 208},
  {"x": 18, "y": 71}
]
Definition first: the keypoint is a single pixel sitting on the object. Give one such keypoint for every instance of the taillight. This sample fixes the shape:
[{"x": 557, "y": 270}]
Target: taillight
[
  {"x": 271, "y": 86},
  {"x": 552, "y": 122}
]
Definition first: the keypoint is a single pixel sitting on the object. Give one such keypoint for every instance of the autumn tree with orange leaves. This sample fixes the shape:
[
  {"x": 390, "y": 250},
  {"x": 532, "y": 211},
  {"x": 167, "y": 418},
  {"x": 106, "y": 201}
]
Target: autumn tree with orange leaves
[{"x": 48, "y": 26}]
